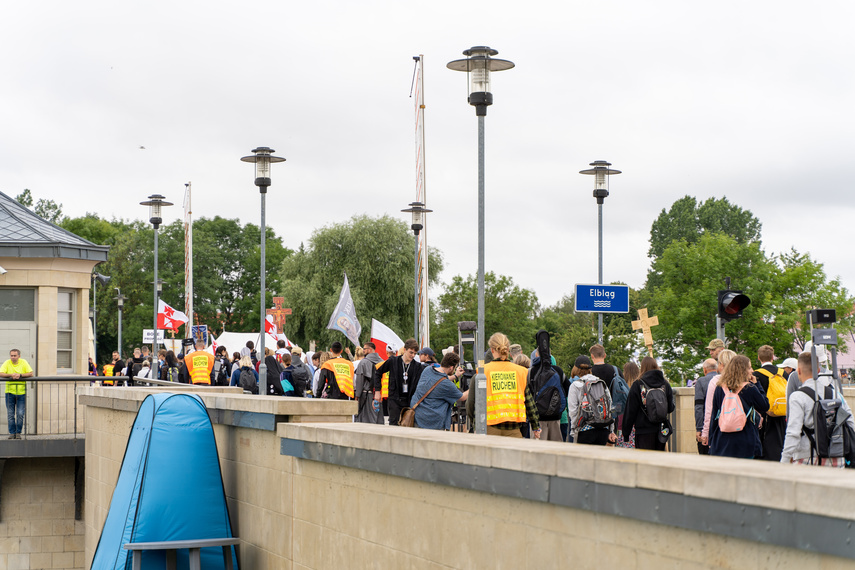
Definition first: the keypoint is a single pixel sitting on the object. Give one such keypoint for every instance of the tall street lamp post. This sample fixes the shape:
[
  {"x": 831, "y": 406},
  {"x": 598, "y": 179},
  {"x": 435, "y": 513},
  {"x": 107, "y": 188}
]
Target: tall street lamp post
[
  {"x": 601, "y": 172},
  {"x": 103, "y": 280},
  {"x": 120, "y": 299},
  {"x": 262, "y": 157},
  {"x": 478, "y": 64},
  {"x": 418, "y": 210},
  {"x": 155, "y": 205}
]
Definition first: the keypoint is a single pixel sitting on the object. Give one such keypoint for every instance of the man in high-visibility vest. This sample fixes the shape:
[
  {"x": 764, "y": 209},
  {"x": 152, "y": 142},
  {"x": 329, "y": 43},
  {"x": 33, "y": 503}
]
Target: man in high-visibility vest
[
  {"x": 14, "y": 370},
  {"x": 112, "y": 369},
  {"x": 197, "y": 366},
  {"x": 336, "y": 376}
]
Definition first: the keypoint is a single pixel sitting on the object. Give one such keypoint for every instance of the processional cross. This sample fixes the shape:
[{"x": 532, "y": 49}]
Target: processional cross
[
  {"x": 644, "y": 323},
  {"x": 279, "y": 313}
]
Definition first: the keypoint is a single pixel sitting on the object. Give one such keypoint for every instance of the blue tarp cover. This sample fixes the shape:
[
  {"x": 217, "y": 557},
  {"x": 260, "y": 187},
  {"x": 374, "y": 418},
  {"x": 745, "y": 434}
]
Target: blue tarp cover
[{"x": 170, "y": 486}]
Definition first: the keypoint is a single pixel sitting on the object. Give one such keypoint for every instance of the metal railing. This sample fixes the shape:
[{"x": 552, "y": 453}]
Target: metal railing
[{"x": 51, "y": 406}]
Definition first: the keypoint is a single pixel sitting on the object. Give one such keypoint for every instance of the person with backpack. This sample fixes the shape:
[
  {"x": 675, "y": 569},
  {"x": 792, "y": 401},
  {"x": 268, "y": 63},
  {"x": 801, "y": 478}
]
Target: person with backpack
[
  {"x": 549, "y": 388},
  {"x": 805, "y": 442},
  {"x": 738, "y": 406},
  {"x": 171, "y": 370},
  {"x": 284, "y": 383},
  {"x": 589, "y": 404},
  {"x": 300, "y": 374},
  {"x": 631, "y": 373},
  {"x": 246, "y": 377},
  {"x": 649, "y": 402},
  {"x": 221, "y": 373},
  {"x": 724, "y": 358},
  {"x": 133, "y": 366},
  {"x": 773, "y": 383}
]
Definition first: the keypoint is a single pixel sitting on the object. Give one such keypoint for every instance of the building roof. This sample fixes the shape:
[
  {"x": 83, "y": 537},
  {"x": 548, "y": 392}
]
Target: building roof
[{"x": 24, "y": 234}]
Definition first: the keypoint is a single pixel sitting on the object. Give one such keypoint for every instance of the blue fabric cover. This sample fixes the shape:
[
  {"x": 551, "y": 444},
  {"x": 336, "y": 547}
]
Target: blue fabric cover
[{"x": 170, "y": 486}]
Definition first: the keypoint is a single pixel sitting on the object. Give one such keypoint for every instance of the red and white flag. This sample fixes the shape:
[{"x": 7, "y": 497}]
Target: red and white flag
[
  {"x": 385, "y": 339},
  {"x": 169, "y": 318},
  {"x": 270, "y": 327}
]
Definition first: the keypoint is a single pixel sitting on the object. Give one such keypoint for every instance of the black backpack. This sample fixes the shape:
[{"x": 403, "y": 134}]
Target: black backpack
[
  {"x": 300, "y": 376},
  {"x": 173, "y": 374},
  {"x": 829, "y": 417},
  {"x": 247, "y": 380},
  {"x": 135, "y": 369},
  {"x": 549, "y": 397},
  {"x": 654, "y": 403}
]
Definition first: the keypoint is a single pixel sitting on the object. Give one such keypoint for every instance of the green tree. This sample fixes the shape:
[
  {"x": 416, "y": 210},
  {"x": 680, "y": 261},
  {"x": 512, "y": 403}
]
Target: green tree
[
  {"x": 377, "y": 256},
  {"x": 801, "y": 285},
  {"x": 45, "y": 209},
  {"x": 687, "y": 220},
  {"x": 686, "y": 300},
  {"x": 226, "y": 274},
  {"x": 508, "y": 308}
]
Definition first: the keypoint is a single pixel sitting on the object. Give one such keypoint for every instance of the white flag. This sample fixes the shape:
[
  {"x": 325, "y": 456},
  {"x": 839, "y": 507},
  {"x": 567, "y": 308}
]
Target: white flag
[{"x": 344, "y": 316}]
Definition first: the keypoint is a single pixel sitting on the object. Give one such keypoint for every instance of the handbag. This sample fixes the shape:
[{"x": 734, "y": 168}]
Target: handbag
[{"x": 408, "y": 415}]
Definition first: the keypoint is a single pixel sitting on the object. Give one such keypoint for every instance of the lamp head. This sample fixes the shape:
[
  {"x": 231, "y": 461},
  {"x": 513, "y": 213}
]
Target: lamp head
[
  {"x": 478, "y": 65},
  {"x": 418, "y": 210},
  {"x": 601, "y": 172},
  {"x": 263, "y": 158},
  {"x": 155, "y": 205}
]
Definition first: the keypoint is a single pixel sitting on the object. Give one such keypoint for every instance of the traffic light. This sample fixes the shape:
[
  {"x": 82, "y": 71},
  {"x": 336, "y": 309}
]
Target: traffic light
[{"x": 731, "y": 303}]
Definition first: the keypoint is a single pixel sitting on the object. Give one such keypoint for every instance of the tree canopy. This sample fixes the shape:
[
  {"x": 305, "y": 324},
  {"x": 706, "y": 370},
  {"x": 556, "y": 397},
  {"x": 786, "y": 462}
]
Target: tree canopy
[{"x": 377, "y": 254}]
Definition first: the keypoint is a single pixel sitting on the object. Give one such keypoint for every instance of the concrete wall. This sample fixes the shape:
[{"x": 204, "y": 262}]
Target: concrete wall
[
  {"x": 37, "y": 526},
  {"x": 341, "y": 495}
]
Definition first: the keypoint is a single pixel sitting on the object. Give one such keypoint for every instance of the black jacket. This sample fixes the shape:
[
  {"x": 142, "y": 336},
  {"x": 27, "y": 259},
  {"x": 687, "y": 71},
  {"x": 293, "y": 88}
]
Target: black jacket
[
  {"x": 394, "y": 365},
  {"x": 634, "y": 415}
]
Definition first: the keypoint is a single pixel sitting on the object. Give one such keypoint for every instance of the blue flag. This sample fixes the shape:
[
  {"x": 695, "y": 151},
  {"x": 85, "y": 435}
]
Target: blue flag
[{"x": 344, "y": 316}]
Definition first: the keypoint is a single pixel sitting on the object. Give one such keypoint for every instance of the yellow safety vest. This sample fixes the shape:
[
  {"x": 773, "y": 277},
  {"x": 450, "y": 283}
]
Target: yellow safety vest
[
  {"x": 199, "y": 365},
  {"x": 343, "y": 371},
  {"x": 505, "y": 392}
]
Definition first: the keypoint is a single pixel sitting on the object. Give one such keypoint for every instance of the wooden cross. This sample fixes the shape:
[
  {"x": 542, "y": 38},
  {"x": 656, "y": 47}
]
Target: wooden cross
[
  {"x": 644, "y": 323},
  {"x": 279, "y": 313}
]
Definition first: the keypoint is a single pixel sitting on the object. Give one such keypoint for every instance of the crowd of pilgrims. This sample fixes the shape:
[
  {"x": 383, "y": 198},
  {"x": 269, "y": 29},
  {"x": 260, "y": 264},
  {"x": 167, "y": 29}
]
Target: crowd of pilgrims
[{"x": 528, "y": 396}]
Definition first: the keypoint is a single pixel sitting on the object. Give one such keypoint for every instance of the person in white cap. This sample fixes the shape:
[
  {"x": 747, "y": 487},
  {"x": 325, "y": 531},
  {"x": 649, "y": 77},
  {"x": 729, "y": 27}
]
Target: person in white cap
[{"x": 793, "y": 382}]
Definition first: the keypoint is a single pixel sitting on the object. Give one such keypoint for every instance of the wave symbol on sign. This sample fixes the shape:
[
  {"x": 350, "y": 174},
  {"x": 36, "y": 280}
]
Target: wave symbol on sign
[{"x": 605, "y": 304}]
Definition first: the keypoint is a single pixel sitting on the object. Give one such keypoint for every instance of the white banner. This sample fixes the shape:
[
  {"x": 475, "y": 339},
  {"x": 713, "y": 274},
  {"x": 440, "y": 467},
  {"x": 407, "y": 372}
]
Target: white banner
[
  {"x": 344, "y": 316},
  {"x": 148, "y": 336}
]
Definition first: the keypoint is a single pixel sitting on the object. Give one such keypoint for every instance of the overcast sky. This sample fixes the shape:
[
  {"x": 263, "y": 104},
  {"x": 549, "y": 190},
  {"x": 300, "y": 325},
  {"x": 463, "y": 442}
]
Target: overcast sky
[{"x": 748, "y": 100}]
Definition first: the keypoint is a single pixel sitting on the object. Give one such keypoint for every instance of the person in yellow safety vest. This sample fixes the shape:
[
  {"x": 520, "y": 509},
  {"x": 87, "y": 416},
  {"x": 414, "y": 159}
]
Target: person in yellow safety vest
[
  {"x": 110, "y": 370},
  {"x": 198, "y": 366},
  {"x": 510, "y": 403},
  {"x": 336, "y": 376},
  {"x": 15, "y": 370}
]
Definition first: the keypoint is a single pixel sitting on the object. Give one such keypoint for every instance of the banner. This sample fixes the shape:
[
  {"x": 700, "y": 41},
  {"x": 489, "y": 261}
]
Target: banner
[
  {"x": 385, "y": 339},
  {"x": 270, "y": 327},
  {"x": 344, "y": 316}
]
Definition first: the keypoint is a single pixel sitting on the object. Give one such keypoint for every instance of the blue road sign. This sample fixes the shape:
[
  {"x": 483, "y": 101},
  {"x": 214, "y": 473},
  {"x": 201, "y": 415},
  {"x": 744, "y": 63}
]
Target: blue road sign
[{"x": 602, "y": 298}]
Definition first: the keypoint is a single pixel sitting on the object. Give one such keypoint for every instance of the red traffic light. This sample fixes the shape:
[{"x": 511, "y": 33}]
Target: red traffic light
[{"x": 731, "y": 304}]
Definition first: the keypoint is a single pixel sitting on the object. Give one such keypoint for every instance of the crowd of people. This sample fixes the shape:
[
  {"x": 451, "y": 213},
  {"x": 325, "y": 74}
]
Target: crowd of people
[{"x": 768, "y": 413}]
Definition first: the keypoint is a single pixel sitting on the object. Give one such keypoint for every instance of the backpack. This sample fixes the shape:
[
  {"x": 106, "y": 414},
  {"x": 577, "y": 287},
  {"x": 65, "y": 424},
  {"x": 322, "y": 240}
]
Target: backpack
[
  {"x": 620, "y": 392},
  {"x": 549, "y": 397},
  {"x": 135, "y": 369},
  {"x": 654, "y": 403},
  {"x": 777, "y": 392},
  {"x": 731, "y": 417},
  {"x": 596, "y": 403},
  {"x": 829, "y": 417},
  {"x": 173, "y": 373},
  {"x": 247, "y": 381},
  {"x": 219, "y": 374},
  {"x": 300, "y": 376}
]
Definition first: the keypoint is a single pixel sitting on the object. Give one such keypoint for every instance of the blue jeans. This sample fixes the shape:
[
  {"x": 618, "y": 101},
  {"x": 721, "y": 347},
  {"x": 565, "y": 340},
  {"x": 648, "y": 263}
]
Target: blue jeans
[{"x": 15, "y": 406}]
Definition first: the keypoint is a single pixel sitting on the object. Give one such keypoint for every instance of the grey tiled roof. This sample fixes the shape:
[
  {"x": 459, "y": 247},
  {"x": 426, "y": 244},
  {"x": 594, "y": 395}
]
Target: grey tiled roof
[{"x": 24, "y": 234}]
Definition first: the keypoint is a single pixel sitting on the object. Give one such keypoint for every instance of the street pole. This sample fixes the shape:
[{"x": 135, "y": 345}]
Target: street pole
[
  {"x": 600, "y": 274},
  {"x": 154, "y": 340},
  {"x": 262, "y": 365},
  {"x": 416, "y": 291},
  {"x": 480, "y": 377}
]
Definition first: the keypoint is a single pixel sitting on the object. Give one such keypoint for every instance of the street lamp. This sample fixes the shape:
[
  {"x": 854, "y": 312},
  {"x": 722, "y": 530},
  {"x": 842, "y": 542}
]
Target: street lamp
[
  {"x": 418, "y": 210},
  {"x": 601, "y": 172},
  {"x": 262, "y": 158},
  {"x": 155, "y": 204},
  {"x": 103, "y": 280},
  {"x": 120, "y": 299},
  {"x": 478, "y": 65}
]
